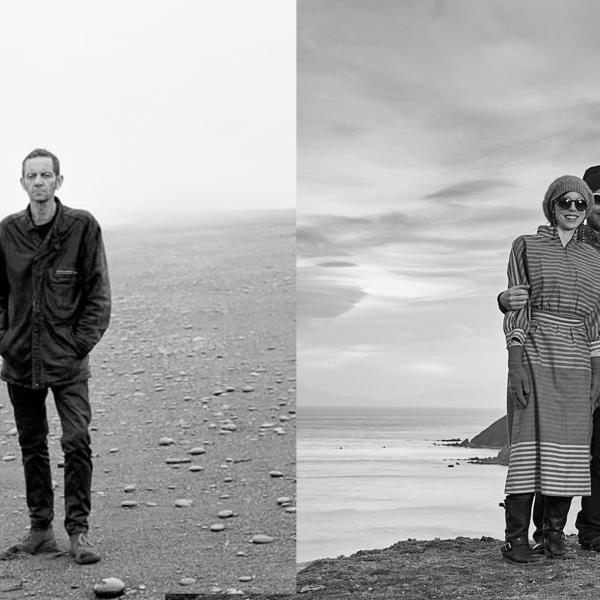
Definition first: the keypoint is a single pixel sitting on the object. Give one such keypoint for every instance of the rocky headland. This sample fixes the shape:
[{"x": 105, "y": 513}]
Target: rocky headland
[{"x": 494, "y": 436}]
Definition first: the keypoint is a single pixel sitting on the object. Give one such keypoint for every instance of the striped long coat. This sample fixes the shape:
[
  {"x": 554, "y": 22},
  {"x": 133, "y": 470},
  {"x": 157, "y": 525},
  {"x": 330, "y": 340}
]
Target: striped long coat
[{"x": 559, "y": 329}]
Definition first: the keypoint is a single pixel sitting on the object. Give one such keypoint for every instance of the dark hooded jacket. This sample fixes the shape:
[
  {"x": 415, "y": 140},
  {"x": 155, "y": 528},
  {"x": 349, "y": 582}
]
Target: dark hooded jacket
[{"x": 54, "y": 297}]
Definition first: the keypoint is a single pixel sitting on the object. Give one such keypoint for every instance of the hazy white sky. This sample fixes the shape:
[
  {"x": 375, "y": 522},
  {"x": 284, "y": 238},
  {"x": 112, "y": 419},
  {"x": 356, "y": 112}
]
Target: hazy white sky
[
  {"x": 153, "y": 106},
  {"x": 428, "y": 132}
]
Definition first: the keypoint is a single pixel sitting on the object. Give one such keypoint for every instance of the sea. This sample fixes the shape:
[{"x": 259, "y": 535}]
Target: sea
[{"x": 370, "y": 477}]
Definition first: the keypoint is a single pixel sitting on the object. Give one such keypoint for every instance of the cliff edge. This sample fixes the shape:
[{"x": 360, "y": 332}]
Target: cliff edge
[{"x": 464, "y": 568}]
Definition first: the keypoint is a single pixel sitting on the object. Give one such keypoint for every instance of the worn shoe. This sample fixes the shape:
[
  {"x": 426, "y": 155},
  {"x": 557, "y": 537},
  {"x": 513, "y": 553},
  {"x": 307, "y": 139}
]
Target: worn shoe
[
  {"x": 539, "y": 547},
  {"x": 35, "y": 542},
  {"x": 556, "y": 547},
  {"x": 593, "y": 544},
  {"x": 82, "y": 550}
]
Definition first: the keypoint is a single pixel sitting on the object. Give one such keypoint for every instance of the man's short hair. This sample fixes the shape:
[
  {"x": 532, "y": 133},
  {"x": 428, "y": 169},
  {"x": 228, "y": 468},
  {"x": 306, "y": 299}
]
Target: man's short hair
[{"x": 41, "y": 152}]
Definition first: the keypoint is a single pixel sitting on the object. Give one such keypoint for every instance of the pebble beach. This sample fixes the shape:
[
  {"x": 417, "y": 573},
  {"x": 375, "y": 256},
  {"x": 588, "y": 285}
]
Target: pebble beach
[{"x": 193, "y": 431}]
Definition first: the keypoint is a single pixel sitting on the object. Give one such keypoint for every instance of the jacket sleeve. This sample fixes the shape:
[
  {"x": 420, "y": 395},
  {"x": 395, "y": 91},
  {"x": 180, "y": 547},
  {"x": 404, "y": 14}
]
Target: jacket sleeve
[
  {"x": 516, "y": 322},
  {"x": 94, "y": 310},
  {"x": 502, "y": 309},
  {"x": 592, "y": 322},
  {"x": 4, "y": 289}
]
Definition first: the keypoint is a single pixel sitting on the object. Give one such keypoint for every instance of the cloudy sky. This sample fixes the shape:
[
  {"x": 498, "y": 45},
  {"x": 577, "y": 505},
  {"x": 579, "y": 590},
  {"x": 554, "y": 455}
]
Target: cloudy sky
[
  {"x": 154, "y": 107},
  {"x": 428, "y": 132}
]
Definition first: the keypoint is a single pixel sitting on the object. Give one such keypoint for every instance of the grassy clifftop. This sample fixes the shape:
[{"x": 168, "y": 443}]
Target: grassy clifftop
[{"x": 461, "y": 568}]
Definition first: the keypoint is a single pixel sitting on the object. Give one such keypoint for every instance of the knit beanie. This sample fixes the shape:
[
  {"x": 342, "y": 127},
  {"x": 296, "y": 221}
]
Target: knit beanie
[
  {"x": 592, "y": 178},
  {"x": 562, "y": 185}
]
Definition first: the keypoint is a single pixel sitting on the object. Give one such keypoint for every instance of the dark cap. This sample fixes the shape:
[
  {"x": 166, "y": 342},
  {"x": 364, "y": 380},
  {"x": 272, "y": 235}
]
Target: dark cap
[{"x": 592, "y": 178}]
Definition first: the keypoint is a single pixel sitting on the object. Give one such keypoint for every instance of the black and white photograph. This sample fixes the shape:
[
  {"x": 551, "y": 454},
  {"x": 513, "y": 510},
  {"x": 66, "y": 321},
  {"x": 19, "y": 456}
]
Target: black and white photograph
[
  {"x": 147, "y": 299},
  {"x": 447, "y": 290}
]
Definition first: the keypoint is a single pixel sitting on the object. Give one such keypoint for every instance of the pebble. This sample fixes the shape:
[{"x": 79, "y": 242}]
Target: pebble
[
  {"x": 247, "y": 388},
  {"x": 217, "y": 527},
  {"x": 197, "y": 450},
  {"x": 290, "y": 509},
  {"x": 245, "y": 578},
  {"x": 229, "y": 427},
  {"x": 111, "y": 587},
  {"x": 129, "y": 504},
  {"x": 187, "y": 581},
  {"x": 261, "y": 538},
  {"x": 9, "y": 457},
  {"x": 183, "y": 502},
  {"x": 166, "y": 441},
  {"x": 177, "y": 461},
  {"x": 283, "y": 500},
  {"x": 275, "y": 473},
  {"x": 129, "y": 488},
  {"x": 224, "y": 514},
  {"x": 113, "y": 450},
  {"x": 196, "y": 468}
]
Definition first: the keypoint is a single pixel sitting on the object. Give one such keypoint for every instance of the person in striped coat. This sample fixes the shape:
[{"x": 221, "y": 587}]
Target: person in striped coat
[
  {"x": 515, "y": 298},
  {"x": 553, "y": 346}
]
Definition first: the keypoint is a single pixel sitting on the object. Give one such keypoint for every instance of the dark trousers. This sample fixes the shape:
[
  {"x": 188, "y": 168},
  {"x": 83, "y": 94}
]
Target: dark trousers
[
  {"x": 73, "y": 407},
  {"x": 588, "y": 518}
]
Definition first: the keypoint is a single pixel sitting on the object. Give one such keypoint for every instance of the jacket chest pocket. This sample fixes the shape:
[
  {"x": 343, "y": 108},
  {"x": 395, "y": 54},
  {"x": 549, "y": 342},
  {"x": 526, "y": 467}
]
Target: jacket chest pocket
[{"x": 63, "y": 293}]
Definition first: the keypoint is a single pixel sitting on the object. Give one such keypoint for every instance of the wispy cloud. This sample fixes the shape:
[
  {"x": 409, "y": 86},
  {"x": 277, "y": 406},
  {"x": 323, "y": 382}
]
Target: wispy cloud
[
  {"x": 428, "y": 132},
  {"x": 429, "y": 367},
  {"x": 469, "y": 189}
]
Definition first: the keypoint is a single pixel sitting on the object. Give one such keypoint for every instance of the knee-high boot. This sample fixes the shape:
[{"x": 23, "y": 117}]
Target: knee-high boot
[
  {"x": 538, "y": 520},
  {"x": 517, "y": 508},
  {"x": 556, "y": 509}
]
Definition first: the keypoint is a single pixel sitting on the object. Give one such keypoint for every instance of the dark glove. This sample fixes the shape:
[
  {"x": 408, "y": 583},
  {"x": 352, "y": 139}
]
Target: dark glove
[
  {"x": 595, "y": 393},
  {"x": 518, "y": 381}
]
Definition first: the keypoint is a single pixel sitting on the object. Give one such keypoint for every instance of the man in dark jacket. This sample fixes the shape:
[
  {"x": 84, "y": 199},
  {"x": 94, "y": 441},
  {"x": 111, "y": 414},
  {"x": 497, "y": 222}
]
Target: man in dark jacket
[
  {"x": 515, "y": 298},
  {"x": 54, "y": 308}
]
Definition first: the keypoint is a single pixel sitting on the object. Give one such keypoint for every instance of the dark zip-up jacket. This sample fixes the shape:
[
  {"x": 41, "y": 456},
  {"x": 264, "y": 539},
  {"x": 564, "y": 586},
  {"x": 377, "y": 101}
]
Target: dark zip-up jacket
[{"x": 54, "y": 297}]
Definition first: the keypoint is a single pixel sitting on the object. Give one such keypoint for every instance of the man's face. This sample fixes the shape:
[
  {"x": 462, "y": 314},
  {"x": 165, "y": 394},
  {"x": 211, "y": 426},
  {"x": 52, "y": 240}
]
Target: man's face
[
  {"x": 594, "y": 219},
  {"x": 39, "y": 179}
]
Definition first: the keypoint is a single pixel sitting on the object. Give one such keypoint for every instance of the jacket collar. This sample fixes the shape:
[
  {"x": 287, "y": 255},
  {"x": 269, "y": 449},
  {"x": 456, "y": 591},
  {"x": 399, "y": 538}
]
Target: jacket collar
[
  {"x": 58, "y": 217},
  {"x": 549, "y": 231}
]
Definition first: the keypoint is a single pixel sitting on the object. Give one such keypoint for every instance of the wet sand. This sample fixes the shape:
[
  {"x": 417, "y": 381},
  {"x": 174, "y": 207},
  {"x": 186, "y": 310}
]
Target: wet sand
[{"x": 201, "y": 350}]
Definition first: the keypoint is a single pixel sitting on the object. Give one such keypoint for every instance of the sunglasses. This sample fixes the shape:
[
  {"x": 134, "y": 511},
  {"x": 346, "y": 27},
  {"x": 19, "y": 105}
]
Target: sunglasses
[{"x": 565, "y": 203}]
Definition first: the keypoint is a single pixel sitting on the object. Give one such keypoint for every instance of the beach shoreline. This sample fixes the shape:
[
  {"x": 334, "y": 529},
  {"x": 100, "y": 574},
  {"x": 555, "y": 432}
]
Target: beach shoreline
[{"x": 369, "y": 478}]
